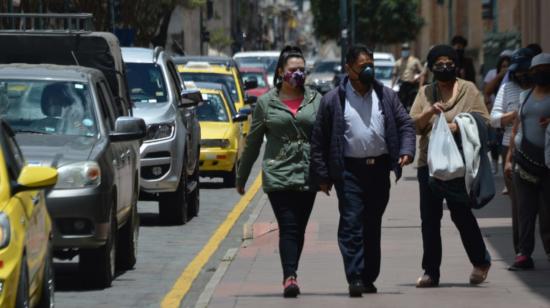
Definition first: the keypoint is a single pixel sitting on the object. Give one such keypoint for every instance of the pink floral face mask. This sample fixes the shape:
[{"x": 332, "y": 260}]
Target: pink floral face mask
[{"x": 296, "y": 78}]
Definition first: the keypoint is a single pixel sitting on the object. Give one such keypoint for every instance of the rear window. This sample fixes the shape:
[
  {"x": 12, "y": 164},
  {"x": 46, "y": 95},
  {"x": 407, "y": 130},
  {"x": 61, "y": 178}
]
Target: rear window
[
  {"x": 146, "y": 83},
  {"x": 258, "y": 76},
  {"x": 227, "y": 80}
]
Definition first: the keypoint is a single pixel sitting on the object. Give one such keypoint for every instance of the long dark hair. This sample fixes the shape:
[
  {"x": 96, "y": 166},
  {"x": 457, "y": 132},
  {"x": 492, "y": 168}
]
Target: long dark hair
[{"x": 287, "y": 53}]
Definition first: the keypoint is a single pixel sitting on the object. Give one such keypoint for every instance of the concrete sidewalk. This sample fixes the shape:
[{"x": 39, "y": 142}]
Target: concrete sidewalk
[{"x": 254, "y": 277}]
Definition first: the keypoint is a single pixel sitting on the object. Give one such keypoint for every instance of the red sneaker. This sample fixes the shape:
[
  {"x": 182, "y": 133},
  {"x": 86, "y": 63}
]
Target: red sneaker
[{"x": 291, "y": 288}]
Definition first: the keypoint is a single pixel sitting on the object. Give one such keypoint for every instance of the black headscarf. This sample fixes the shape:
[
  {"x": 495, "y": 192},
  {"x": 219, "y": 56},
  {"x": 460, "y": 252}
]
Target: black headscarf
[{"x": 441, "y": 51}]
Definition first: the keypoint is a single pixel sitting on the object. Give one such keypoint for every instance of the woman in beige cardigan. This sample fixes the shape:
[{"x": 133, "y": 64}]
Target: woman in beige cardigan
[{"x": 448, "y": 96}]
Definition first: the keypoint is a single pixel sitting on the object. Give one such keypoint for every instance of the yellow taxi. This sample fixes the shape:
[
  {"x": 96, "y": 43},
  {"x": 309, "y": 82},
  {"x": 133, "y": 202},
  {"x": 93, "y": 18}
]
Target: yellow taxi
[
  {"x": 225, "y": 72},
  {"x": 222, "y": 135},
  {"x": 26, "y": 271}
]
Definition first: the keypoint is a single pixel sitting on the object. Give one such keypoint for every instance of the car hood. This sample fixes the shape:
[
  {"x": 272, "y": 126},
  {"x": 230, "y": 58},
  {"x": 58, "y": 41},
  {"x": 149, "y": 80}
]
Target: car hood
[
  {"x": 55, "y": 150},
  {"x": 214, "y": 130},
  {"x": 323, "y": 77},
  {"x": 154, "y": 113}
]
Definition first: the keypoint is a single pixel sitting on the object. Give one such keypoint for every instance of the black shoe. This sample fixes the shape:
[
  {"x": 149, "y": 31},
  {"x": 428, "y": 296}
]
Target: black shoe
[
  {"x": 369, "y": 288},
  {"x": 356, "y": 288},
  {"x": 291, "y": 288}
]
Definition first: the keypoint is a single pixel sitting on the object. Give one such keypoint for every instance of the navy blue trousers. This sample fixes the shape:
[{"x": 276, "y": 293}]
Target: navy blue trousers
[{"x": 363, "y": 195}]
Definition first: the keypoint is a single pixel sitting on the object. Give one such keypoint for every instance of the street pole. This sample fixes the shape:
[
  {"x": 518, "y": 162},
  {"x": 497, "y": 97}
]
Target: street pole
[
  {"x": 112, "y": 15},
  {"x": 10, "y": 10},
  {"x": 343, "y": 32},
  {"x": 353, "y": 22},
  {"x": 201, "y": 31}
]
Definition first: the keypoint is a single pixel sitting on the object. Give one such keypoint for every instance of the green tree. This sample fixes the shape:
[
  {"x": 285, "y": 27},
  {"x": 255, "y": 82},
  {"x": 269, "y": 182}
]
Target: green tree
[{"x": 379, "y": 22}]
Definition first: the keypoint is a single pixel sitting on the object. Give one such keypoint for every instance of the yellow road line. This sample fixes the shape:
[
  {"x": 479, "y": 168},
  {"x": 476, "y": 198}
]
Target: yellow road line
[{"x": 185, "y": 280}]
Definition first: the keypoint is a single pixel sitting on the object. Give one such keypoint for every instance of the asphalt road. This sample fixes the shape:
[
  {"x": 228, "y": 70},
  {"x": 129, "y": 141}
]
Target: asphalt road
[{"x": 164, "y": 252}]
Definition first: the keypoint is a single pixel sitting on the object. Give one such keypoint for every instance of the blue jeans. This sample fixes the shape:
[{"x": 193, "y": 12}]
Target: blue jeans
[
  {"x": 363, "y": 195},
  {"x": 431, "y": 212}
]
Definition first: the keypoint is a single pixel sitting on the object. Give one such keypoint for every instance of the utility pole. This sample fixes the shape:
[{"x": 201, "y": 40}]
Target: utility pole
[
  {"x": 112, "y": 15},
  {"x": 201, "y": 27},
  {"x": 343, "y": 31},
  {"x": 353, "y": 22}
]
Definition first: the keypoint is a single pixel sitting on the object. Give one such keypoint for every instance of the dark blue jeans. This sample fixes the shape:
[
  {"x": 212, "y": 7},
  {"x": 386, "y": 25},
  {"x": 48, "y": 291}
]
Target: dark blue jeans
[
  {"x": 431, "y": 212},
  {"x": 363, "y": 195},
  {"x": 292, "y": 210}
]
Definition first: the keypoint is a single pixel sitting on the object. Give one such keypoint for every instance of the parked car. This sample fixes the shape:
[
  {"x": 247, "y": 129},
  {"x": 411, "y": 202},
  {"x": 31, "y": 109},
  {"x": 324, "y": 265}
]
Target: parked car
[
  {"x": 383, "y": 67},
  {"x": 223, "y": 138},
  {"x": 170, "y": 152},
  {"x": 257, "y": 75},
  {"x": 213, "y": 69},
  {"x": 26, "y": 274},
  {"x": 252, "y": 58},
  {"x": 322, "y": 75},
  {"x": 64, "y": 116}
]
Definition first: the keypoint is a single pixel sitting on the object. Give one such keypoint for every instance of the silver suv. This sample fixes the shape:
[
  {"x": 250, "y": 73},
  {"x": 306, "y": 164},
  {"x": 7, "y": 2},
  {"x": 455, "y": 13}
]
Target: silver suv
[{"x": 169, "y": 154}]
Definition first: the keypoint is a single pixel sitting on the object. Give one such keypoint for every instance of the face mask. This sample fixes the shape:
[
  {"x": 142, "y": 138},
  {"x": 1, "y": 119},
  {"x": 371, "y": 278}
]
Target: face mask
[
  {"x": 541, "y": 78},
  {"x": 460, "y": 52},
  {"x": 405, "y": 53},
  {"x": 366, "y": 76},
  {"x": 445, "y": 74},
  {"x": 295, "y": 79}
]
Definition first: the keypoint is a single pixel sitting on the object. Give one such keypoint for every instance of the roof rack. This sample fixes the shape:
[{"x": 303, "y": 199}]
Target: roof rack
[{"x": 46, "y": 22}]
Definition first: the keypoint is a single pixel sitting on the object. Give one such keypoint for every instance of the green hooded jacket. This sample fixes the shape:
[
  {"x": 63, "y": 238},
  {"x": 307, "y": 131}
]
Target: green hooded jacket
[{"x": 286, "y": 161}]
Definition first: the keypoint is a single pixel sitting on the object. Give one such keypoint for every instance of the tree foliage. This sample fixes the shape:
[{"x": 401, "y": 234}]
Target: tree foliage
[{"x": 378, "y": 21}]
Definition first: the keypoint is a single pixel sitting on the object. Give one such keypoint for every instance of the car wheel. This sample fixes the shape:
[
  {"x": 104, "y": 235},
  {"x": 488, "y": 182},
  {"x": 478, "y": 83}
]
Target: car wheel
[
  {"x": 48, "y": 284},
  {"x": 230, "y": 179},
  {"x": 128, "y": 240},
  {"x": 22, "y": 299},
  {"x": 173, "y": 206},
  {"x": 194, "y": 197},
  {"x": 98, "y": 265}
]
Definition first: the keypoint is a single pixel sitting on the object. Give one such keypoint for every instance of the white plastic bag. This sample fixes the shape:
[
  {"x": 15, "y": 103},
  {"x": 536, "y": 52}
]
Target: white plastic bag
[{"x": 444, "y": 159}]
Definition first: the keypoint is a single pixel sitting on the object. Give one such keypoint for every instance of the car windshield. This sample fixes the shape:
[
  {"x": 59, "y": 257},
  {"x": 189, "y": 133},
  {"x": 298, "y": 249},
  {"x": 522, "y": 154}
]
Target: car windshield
[
  {"x": 383, "y": 72},
  {"x": 212, "y": 109},
  {"x": 269, "y": 63},
  {"x": 227, "y": 80},
  {"x": 252, "y": 75},
  {"x": 146, "y": 83},
  {"x": 326, "y": 67},
  {"x": 48, "y": 107}
]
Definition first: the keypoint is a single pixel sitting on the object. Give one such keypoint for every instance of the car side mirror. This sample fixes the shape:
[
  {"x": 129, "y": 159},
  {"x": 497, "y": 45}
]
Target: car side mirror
[
  {"x": 128, "y": 129},
  {"x": 35, "y": 178},
  {"x": 251, "y": 83},
  {"x": 251, "y": 99},
  {"x": 245, "y": 111},
  {"x": 190, "y": 98},
  {"x": 240, "y": 117}
]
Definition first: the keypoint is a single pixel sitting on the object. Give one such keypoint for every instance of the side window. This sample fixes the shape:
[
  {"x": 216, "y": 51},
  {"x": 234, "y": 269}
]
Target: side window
[
  {"x": 175, "y": 79},
  {"x": 106, "y": 109},
  {"x": 14, "y": 158},
  {"x": 114, "y": 104}
]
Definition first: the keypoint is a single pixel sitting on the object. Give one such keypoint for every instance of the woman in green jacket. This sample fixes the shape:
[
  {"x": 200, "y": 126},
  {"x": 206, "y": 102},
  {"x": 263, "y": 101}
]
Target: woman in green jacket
[{"x": 285, "y": 116}]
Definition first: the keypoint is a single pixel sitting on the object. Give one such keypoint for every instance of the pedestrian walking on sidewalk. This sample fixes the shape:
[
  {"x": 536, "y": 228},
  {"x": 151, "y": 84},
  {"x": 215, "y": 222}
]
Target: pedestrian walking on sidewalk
[
  {"x": 362, "y": 132},
  {"x": 285, "y": 116},
  {"x": 531, "y": 176},
  {"x": 449, "y": 96},
  {"x": 407, "y": 73},
  {"x": 504, "y": 113}
]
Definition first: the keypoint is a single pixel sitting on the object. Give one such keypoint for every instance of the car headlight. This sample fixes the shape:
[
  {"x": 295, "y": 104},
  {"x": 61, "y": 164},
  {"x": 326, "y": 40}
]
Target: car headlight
[
  {"x": 5, "y": 233},
  {"x": 160, "y": 131},
  {"x": 215, "y": 143},
  {"x": 78, "y": 175}
]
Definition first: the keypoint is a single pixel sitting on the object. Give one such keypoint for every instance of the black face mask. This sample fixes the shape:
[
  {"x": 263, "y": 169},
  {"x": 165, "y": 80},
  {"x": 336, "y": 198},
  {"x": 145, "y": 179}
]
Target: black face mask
[
  {"x": 366, "y": 76},
  {"x": 460, "y": 52},
  {"x": 541, "y": 78},
  {"x": 446, "y": 74}
]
